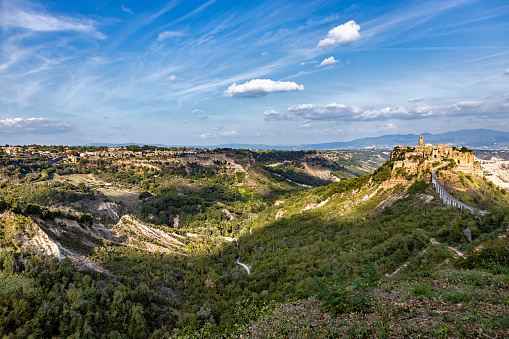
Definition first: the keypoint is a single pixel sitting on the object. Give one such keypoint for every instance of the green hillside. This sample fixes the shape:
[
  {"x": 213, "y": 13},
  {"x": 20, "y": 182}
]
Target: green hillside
[{"x": 153, "y": 247}]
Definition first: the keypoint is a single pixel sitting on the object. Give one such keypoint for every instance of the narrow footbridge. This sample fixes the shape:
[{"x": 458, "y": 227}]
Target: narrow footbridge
[{"x": 446, "y": 197}]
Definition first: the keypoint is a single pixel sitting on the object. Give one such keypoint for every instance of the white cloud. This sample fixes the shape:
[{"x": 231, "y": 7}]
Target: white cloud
[
  {"x": 196, "y": 111},
  {"x": 215, "y": 135},
  {"x": 340, "y": 112},
  {"x": 228, "y": 134},
  {"x": 329, "y": 61},
  {"x": 42, "y": 22},
  {"x": 172, "y": 78},
  {"x": 506, "y": 72},
  {"x": 416, "y": 99},
  {"x": 323, "y": 112},
  {"x": 265, "y": 53},
  {"x": 127, "y": 10},
  {"x": 469, "y": 103},
  {"x": 260, "y": 87},
  {"x": 206, "y": 135},
  {"x": 33, "y": 126},
  {"x": 168, "y": 34},
  {"x": 341, "y": 34},
  {"x": 272, "y": 114},
  {"x": 387, "y": 127}
]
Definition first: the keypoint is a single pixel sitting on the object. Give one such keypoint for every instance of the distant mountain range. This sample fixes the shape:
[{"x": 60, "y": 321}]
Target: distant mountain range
[{"x": 471, "y": 138}]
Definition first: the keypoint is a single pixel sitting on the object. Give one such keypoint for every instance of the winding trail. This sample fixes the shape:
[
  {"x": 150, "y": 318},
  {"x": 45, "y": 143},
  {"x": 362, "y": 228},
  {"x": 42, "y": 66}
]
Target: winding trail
[
  {"x": 243, "y": 265},
  {"x": 293, "y": 182},
  {"x": 446, "y": 197},
  {"x": 238, "y": 259},
  {"x": 456, "y": 253}
]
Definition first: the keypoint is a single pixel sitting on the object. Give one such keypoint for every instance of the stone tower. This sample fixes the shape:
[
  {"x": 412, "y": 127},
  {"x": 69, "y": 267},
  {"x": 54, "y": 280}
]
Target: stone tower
[{"x": 421, "y": 141}]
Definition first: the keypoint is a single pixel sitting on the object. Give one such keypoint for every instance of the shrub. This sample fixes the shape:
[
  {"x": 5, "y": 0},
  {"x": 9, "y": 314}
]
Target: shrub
[
  {"x": 490, "y": 257},
  {"x": 419, "y": 186},
  {"x": 459, "y": 296},
  {"x": 342, "y": 296},
  {"x": 423, "y": 291}
]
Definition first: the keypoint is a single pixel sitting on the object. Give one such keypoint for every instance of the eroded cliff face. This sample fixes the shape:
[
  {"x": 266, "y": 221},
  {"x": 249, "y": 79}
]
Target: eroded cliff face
[
  {"x": 67, "y": 238},
  {"x": 21, "y": 231},
  {"x": 497, "y": 171},
  {"x": 40, "y": 243},
  {"x": 131, "y": 232}
]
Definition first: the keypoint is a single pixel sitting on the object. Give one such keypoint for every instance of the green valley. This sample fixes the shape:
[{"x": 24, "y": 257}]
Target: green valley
[{"x": 146, "y": 242}]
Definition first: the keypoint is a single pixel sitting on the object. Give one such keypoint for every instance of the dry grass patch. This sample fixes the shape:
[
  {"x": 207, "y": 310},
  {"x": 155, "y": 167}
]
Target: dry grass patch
[{"x": 447, "y": 304}]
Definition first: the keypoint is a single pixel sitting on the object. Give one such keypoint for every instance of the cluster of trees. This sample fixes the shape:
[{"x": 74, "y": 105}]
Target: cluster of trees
[
  {"x": 15, "y": 168},
  {"x": 48, "y": 298},
  {"x": 294, "y": 173},
  {"x": 273, "y": 156}
]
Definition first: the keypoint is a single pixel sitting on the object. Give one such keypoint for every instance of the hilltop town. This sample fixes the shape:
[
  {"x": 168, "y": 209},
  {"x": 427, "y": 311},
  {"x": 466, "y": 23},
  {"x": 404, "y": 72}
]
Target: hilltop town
[
  {"x": 74, "y": 154},
  {"x": 418, "y": 161}
]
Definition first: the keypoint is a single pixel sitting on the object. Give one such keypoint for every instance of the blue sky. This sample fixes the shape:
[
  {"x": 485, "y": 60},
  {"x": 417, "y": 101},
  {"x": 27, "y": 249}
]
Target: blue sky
[{"x": 267, "y": 72}]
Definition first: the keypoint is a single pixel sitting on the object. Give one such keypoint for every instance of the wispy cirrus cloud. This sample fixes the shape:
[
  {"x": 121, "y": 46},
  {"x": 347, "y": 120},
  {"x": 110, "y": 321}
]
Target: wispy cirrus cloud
[
  {"x": 387, "y": 127},
  {"x": 39, "y": 21},
  {"x": 168, "y": 34},
  {"x": 33, "y": 126},
  {"x": 259, "y": 87},
  {"x": 342, "y": 34},
  {"x": 382, "y": 29},
  {"x": 127, "y": 10},
  {"x": 131, "y": 75}
]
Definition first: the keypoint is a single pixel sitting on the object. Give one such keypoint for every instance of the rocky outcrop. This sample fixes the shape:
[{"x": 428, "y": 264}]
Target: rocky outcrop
[{"x": 314, "y": 205}]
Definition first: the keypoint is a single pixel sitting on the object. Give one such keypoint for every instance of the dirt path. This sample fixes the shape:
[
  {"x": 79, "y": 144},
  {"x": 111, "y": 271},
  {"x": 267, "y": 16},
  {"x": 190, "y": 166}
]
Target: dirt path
[
  {"x": 243, "y": 265},
  {"x": 456, "y": 253}
]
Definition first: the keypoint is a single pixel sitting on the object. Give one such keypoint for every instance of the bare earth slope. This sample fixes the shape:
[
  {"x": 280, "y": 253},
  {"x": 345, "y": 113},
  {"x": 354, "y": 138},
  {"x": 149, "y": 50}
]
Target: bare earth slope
[{"x": 496, "y": 170}]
